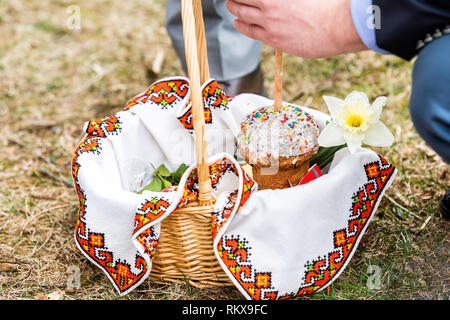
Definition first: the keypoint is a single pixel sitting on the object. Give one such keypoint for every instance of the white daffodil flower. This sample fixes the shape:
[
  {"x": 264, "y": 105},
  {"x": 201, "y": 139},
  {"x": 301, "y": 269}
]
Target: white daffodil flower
[{"x": 354, "y": 121}]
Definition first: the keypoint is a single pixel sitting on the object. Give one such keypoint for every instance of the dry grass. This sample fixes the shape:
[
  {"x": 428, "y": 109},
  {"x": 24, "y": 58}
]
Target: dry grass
[{"x": 52, "y": 79}]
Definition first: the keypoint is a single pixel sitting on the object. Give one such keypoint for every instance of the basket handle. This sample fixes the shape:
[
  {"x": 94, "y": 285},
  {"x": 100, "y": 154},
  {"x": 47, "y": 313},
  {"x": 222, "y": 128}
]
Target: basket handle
[
  {"x": 198, "y": 73},
  {"x": 201, "y": 41}
]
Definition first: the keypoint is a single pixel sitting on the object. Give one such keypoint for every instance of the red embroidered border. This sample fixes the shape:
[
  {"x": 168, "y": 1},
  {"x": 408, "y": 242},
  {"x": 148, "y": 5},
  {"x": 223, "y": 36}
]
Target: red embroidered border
[
  {"x": 235, "y": 252},
  {"x": 164, "y": 93},
  {"x": 91, "y": 242}
]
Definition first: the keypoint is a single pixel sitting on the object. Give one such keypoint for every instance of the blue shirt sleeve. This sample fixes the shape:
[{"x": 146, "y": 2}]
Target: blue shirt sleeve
[{"x": 363, "y": 18}]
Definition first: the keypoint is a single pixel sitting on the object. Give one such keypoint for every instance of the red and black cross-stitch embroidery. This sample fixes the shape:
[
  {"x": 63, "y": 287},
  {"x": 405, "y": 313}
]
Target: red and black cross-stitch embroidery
[
  {"x": 96, "y": 130},
  {"x": 216, "y": 170},
  {"x": 186, "y": 117},
  {"x": 164, "y": 94},
  {"x": 90, "y": 145},
  {"x": 322, "y": 270},
  {"x": 235, "y": 253},
  {"x": 92, "y": 243},
  {"x": 149, "y": 240},
  {"x": 221, "y": 215},
  {"x": 213, "y": 97},
  {"x": 100, "y": 128},
  {"x": 150, "y": 211},
  {"x": 248, "y": 187},
  {"x": 156, "y": 207}
]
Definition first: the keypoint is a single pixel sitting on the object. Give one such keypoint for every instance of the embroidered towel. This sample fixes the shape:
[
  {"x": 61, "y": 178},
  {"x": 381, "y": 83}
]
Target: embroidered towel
[{"x": 272, "y": 244}]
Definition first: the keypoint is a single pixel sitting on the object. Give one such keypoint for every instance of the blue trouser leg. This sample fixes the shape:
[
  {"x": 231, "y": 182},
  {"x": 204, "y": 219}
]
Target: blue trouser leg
[
  {"x": 230, "y": 54},
  {"x": 430, "y": 97}
]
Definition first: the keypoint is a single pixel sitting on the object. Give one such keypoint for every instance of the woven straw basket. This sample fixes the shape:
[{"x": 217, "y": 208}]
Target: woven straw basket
[{"x": 185, "y": 250}]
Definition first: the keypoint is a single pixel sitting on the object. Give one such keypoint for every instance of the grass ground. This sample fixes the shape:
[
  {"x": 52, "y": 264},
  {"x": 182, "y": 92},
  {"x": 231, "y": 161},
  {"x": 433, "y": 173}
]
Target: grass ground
[{"x": 53, "y": 79}]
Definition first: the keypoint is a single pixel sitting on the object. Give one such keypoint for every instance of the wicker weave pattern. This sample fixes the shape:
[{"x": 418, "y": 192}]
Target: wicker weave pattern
[{"x": 185, "y": 250}]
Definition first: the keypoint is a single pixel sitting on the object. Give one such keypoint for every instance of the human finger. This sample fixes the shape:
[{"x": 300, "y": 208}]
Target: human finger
[
  {"x": 253, "y": 3},
  {"x": 247, "y": 14},
  {"x": 250, "y": 30}
]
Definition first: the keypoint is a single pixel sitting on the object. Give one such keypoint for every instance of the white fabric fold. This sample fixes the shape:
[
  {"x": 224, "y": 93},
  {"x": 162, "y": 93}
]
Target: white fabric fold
[{"x": 291, "y": 230}]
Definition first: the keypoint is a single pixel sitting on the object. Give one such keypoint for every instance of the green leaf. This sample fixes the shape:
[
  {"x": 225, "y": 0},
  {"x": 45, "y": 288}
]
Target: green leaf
[
  {"x": 162, "y": 171},
  {"x": 179, "y": 173},
  {"x": 155, "y": 185},
  {"x": 166, "y": 183},
  {"x": 324, "y": 156},
  {"x": 163, "y": 178}
]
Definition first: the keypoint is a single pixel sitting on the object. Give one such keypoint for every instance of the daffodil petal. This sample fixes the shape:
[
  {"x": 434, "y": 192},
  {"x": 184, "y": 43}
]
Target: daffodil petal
[
  {"x": 357, "y": 96},
  {"x": 331, "y": 136},
  {"x": 334, "y": 105},
  {"x": 378, "y": 135},
  {"x": 353, "y": 141},
  {"x": 377, "y": 107}
]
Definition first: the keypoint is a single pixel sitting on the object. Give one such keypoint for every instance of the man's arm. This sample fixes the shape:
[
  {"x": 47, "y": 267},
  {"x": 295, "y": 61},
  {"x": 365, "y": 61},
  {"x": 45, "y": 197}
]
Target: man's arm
[
  {"x": 314, "y": 29},
  {"x": 408, "y": 25},
  {"x": 306, "y": 28}
]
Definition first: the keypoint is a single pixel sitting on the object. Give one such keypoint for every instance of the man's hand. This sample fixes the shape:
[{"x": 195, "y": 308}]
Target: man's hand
[{"x": 305, "y": 28}]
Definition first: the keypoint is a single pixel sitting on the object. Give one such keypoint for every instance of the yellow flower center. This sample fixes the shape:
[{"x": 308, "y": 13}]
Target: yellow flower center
[{"x": 355, "y": 121}]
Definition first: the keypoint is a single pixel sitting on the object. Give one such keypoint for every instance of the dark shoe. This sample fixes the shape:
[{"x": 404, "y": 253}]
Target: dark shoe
[
  {"x": 444, "y": 204},
  {"x": 250, "y": 83}
]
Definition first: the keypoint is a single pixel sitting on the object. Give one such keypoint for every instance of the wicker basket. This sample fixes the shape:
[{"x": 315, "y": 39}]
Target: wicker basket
[{"x": 185, "y": 250}]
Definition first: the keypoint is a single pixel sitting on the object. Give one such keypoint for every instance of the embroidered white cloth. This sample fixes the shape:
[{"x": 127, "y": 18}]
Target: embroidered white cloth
[{"x": 272, "y": 244}]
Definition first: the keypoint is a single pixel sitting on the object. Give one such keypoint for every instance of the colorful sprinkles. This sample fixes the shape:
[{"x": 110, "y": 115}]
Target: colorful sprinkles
[{"x": 289, "y": 132}]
